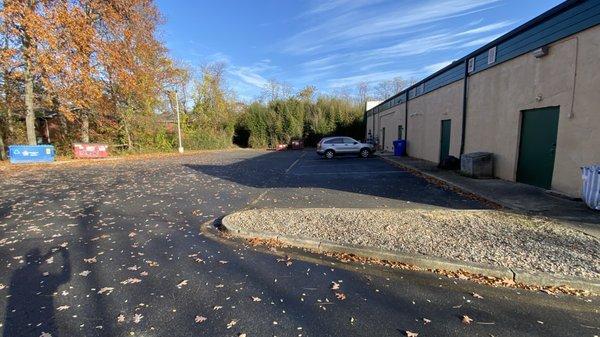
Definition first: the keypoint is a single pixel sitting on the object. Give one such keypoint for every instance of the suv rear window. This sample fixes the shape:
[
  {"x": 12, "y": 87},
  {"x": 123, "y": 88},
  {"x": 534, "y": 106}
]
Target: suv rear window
[{"x": 349, "y": 141}]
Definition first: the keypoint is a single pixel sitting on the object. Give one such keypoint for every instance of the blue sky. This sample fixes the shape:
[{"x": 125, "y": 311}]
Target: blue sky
[{"x": 334, "y": 44}]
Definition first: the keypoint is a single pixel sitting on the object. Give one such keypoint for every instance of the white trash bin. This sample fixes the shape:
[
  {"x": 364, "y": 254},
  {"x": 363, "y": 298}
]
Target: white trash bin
[{"x": 590, "y": 192}]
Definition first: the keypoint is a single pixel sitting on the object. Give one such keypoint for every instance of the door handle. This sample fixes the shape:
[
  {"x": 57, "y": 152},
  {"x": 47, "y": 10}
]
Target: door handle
[{"x": 553, "y": 148}]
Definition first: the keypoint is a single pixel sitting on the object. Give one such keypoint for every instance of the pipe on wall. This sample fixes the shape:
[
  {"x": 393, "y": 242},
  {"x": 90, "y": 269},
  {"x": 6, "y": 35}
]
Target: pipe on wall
[
  {"x": 464, "y": 109},
  {"x": 406, "y": 120}
]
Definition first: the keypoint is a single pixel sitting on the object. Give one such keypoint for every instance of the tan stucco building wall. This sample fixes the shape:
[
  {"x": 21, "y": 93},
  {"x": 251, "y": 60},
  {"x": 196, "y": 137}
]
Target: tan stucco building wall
[
  {"x": 568, "y": 77},
  {"x": 390, "y": 119},
  {"x": 425, "y": 115}
]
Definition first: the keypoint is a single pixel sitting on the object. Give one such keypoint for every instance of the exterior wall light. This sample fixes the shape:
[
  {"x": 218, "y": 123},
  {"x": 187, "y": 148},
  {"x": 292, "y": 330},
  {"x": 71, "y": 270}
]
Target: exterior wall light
[{"x": 540, "y": 52}]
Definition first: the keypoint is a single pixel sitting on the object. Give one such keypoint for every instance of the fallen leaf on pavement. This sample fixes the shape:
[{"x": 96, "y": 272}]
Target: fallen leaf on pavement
[
  {"x": 137, "y": 318},
  {"x": 63, "y": 307},
  {"x": 200, "y": 319},
  {"x": 120, "y": 318},
  {"x": 182, "y": 283},
  {"x": 426, "y": 320},
  {"x": 476, "y": 295},
  {"x": 232, "y": 323},
  {"x": 411, "y": 334},
  {"x": 152, "y": 263},
  {"x": 255, "y": 299},
  {"x": 107, "y": 290},
  {"x": 334, "y": 285},
  {"x": 131, "y": 281},
  {"x": 340, "y": 296},
  {"x": 466, "y": 319}
]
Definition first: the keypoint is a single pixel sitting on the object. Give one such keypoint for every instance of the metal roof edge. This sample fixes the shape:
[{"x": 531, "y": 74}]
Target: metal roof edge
[{"x": 525, "y": 26}]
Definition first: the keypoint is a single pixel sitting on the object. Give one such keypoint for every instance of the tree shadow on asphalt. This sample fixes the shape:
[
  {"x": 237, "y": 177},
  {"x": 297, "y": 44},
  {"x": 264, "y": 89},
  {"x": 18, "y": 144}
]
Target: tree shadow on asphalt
[
  {"x": 278, "y": 170},
  {"x": 30, "y": 308}
]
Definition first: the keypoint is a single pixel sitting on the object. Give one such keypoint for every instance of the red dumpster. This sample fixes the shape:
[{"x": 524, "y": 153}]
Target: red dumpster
[{"x": 81, "y": 150}]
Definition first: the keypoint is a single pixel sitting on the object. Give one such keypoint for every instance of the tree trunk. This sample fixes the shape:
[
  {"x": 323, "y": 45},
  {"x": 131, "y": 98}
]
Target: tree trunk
[
  {"x": 30, "y": 116},
  {"x": 128, "y": 135},
  {"x": 28, "y": 82},
  {"x": 2, "y": 151},
  {"x": 10, "y": 129},
  {"x": 85, "y": 127},
  {"x": 7, "y": 83}
]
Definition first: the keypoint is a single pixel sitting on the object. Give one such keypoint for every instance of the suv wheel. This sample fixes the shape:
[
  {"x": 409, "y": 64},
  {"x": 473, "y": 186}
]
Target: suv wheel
[
  {"x": 329, "y": 154},
  {"x": 365, "y": 153}
]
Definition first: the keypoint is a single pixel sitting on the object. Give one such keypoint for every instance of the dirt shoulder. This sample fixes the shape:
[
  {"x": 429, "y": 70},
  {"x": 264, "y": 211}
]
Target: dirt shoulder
[{"x": 7, "y": 167}]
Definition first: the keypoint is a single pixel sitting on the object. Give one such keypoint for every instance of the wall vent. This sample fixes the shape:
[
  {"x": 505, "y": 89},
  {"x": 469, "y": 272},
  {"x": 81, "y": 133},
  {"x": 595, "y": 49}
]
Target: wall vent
[
  {"x": 471, "y": 65},
  {"x": 491, "y": 55}
]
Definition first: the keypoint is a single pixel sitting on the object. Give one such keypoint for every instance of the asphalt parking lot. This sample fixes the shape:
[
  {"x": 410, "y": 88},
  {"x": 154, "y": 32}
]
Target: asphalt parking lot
[
  {"x": 115, "y": 249},
  {"x": 305, "y": 179}
]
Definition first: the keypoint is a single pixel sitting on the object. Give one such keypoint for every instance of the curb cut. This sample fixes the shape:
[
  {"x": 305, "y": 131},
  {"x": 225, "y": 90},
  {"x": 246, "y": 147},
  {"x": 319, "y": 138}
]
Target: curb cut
[{"x": 422, "y": 261}]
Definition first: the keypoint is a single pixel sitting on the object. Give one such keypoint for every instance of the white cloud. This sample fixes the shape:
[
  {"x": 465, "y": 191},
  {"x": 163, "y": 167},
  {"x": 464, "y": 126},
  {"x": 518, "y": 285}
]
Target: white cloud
[
  {"x": 249, "y": 76},
  {"x": 218, "y": 57},
  {"x": 365, "y": 24},
  {"x": 369, "y": 78},
  {"x": 254, "y": 74},
  {"x": 339, "y": 5},
  {"x": 432, "y": 68},
  {"x": 487, "y": 28},
  {"x": 481, "y": 41}
]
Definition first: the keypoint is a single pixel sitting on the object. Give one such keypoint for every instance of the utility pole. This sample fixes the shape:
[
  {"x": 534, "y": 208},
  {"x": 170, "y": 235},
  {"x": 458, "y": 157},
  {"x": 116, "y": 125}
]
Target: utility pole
[
  {"x": 170, "y": 94},
  {"x": 178, "y": 122}
]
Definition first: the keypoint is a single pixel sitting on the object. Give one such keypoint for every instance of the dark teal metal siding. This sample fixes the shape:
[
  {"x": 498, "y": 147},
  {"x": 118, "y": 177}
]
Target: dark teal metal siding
[
  {"x": 451, "y": 75},
  {"x": 565, "y": 24},
  {"x": 566, "y": 19}
]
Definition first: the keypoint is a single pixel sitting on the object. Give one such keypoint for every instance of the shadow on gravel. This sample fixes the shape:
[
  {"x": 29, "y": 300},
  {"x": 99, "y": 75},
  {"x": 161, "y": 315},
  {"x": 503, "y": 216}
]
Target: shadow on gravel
[
  {"x": 372, "y": 177},
  {"x": 30, "y": 308}
]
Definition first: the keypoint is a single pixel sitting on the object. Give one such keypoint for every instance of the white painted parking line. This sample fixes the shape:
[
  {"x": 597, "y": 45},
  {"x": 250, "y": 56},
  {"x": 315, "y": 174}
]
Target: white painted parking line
[
  {"x": 294, "y": 163},
  {"x": 347, "y": 173},
  {"x": 344, "y": 159},
  {"x": 332, "y": 165}
]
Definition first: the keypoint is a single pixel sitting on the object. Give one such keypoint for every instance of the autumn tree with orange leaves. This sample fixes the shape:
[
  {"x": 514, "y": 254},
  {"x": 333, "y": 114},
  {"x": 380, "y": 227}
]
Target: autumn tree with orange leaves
[{"x": 95, "y": 64}]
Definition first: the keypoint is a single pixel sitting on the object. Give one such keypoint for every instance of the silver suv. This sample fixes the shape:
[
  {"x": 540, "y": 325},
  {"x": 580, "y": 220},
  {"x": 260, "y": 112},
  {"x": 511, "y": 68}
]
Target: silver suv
[{"x": 333, "y": 146}]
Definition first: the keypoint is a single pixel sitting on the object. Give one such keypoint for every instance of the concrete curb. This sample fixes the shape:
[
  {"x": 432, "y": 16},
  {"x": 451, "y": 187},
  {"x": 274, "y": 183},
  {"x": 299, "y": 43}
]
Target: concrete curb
[
  {"x": 422, "y": 261},
  {"x": 462, "y": 189},
  {"x": 491, "y": 201}
]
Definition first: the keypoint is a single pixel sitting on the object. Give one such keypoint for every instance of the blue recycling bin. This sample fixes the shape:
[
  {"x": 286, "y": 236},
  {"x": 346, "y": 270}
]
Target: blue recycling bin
[
  {"x": 400, "y": 148},
  {"x": 22, "y": 154}
]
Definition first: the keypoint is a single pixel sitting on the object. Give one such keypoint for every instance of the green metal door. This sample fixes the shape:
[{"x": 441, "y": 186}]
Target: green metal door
[
  {"x": 538, "y": 146},
  {"x": 445, "y": 139}
]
